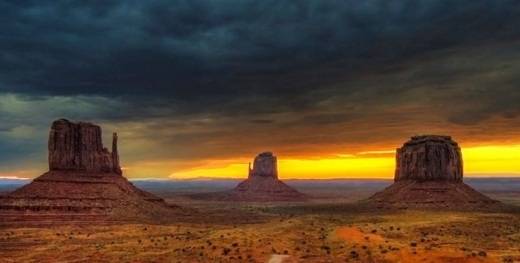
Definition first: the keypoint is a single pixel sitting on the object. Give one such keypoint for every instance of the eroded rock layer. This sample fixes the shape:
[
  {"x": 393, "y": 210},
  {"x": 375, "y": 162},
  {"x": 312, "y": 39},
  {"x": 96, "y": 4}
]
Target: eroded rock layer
[
  {"x": 429, "y": 174},
  {"x": 431, "y": 194},
  {"x": 429, "y": 157},
  {"x": 78, "y": 147},
  {"x": 84, "y": 182}
]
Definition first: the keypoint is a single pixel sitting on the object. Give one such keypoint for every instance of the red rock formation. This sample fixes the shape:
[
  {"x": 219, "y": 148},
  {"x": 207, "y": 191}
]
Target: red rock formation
[
  {"x": 78, "y": 146},
  {"x": 429, "y": 157},
  {"x": 84, "y": 181},
  {"x": 429, "y": 174},
  {"x": 263, "y": 184},
  {"x": 115, "y": 155},
  {"x": 265, "y": 164}
]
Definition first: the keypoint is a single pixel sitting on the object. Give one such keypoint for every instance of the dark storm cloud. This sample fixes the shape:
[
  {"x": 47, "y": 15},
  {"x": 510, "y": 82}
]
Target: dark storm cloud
[
  {"x": 282, "y": 72},
  {"x": 213, "y": 51}
]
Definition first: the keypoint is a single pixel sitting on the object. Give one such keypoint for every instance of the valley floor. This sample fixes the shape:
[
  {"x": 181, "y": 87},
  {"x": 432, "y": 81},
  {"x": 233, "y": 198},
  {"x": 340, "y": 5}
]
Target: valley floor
[
  {"x": 277, "y": 233},
  {"x": 329, "y": 228}
]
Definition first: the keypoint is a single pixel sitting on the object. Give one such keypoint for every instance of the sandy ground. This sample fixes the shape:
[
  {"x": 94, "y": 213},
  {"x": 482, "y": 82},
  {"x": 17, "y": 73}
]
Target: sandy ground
[
  {"x": 295, "y": 235},
  {"x": 329, "y": 229},
  {"x": 275, "y": 258},
  {"x": 412, "y": 254}
]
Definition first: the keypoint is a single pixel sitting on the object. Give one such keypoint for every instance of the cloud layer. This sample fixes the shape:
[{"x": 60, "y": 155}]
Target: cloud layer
[{"x": 195, "y": 80}]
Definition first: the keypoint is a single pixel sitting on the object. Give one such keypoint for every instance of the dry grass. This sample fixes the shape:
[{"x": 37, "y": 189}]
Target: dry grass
[{"x": 333, "y": 236}]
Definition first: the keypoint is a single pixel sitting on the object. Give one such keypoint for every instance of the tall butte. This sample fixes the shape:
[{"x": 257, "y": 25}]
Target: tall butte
[
  {"x": 263, "y": 184},
  {"x": 429, "y": 173},
  {"x": 77, "y": 147},
  {"x": 84, "y": 183}
]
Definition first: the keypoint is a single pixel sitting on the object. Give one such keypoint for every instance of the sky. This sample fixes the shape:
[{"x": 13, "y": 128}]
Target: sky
[{"x": 197, "y": 88}]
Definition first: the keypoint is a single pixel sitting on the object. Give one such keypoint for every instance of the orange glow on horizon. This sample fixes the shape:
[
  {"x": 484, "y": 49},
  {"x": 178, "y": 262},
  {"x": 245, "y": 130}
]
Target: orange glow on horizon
[
  {"x": 478, "y": 161},
  {"x": 492, "y": 160}
]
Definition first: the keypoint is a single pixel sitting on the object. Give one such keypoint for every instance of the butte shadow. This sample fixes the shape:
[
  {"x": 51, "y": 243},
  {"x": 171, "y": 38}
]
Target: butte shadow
[
  {"x": 84, "y": 183},
  {"x": 428, "y": 174},
  {"x": 261, "y": 185}
]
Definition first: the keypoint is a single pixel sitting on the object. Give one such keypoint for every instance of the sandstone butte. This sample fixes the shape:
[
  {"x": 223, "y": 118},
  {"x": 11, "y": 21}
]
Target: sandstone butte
[
  {"x": 263, "y": 185},
  {"x": 84, "y": 183},
  {"x": 429, "y": 173}
]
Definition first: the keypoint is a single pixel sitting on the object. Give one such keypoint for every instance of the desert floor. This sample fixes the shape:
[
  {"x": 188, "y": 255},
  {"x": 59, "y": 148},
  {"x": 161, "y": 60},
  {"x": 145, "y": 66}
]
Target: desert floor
[{"x": 327, "y": 230}]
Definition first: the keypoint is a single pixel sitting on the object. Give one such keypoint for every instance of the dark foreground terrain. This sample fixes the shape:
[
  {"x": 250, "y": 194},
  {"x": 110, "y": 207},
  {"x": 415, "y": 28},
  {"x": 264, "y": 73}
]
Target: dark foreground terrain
[{"x": 328, "y": 228}]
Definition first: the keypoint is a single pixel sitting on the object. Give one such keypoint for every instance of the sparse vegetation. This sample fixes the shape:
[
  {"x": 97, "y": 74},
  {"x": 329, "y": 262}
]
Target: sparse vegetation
[{"x": 328, "y": 235}]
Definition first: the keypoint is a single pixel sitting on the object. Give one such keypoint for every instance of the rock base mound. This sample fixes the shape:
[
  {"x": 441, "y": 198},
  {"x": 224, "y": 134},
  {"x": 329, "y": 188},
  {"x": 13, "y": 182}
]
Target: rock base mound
[
  {"x": 431, "y": 194},
  {"x": 81, "y": 197},
  {"x": 264, "y": 189}
]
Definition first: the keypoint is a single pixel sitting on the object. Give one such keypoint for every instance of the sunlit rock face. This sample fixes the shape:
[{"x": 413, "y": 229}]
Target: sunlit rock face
[
  {"x": 78, "y": 146},
  {"x": 265, "y": 164},
  {"x": 429, "y": 158}
]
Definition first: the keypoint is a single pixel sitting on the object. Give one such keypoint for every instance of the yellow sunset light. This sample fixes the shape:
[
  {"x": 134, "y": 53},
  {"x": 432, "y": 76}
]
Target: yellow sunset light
[{"x": 481, "y": 160}]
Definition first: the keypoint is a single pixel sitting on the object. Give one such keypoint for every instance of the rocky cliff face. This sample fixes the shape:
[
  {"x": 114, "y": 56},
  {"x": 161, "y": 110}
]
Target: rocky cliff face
[
  {"x": 78, "y": 146},
  {"x": 265, "y": 165},
  {"x": 429, "y": 158},
  {"x": 429, "y": 175}
]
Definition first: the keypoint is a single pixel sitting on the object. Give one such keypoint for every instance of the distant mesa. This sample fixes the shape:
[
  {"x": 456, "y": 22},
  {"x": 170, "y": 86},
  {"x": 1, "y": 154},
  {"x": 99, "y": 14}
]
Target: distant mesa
[
  {"x": 84, "y": 182},
  {"x": 263, "y": 184},
  {"x": 429, "y": 173}
]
